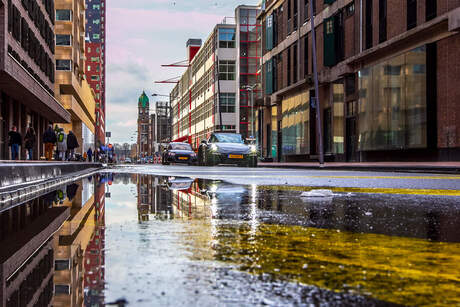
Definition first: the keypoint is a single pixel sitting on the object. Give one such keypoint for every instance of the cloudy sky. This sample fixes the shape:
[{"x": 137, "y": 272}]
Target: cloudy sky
[{"x": 142, "y": 35}]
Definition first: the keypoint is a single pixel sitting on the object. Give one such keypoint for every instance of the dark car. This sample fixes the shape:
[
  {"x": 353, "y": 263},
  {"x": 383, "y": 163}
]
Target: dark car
[
  {"x": 178, "y": 153},
  {"x": 227, "y": 148}
]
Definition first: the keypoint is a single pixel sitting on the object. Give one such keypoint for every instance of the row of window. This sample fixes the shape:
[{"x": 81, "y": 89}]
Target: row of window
[{"x": 35, "y": 13}]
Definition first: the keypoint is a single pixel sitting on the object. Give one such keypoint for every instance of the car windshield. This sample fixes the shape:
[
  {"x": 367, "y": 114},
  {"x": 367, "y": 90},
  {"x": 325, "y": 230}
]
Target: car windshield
[
  {"x": 181, "y": 147},
  {"x": 229, "y": 138}
]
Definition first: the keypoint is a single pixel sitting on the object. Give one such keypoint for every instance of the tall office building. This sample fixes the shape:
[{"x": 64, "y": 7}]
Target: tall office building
[
  {"x": 95, "y": 60},
  {"x": 71, "y": 88}
]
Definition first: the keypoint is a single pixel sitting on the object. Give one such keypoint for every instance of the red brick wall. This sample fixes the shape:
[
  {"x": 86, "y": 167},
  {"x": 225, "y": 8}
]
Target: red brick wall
[{"x": 448, "y": 101}]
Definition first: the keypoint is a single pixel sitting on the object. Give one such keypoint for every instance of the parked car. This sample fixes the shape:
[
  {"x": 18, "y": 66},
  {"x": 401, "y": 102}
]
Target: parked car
[
  {"x": 227, "y": 148},
  {"x": 128, "y": 160},
  {"x": 178, "y": 153}
]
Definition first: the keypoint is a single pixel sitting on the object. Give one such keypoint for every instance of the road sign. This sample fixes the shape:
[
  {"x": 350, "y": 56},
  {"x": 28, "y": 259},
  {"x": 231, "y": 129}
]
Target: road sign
[{"x": 108, "y": 134}]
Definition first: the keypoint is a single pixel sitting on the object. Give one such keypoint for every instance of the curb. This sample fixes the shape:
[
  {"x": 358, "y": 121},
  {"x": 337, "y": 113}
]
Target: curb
[{"x": 365, "y": 168}]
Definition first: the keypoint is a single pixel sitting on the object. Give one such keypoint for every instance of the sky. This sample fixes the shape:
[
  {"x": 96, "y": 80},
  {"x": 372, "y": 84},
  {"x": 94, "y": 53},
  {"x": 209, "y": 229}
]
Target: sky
[{"x": 141, "y": 35}]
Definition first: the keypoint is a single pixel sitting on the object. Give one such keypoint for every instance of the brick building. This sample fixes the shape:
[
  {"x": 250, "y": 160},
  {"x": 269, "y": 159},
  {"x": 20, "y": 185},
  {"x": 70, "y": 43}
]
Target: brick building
[
  {"x": 95, "y": 60},
  {"x": 27, "y": 73},
  {"x": 388, "y": 80}
]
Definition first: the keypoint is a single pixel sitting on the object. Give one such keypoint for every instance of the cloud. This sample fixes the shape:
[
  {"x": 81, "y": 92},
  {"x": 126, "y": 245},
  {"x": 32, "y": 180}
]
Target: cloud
[{"x": 141, "y": 36}]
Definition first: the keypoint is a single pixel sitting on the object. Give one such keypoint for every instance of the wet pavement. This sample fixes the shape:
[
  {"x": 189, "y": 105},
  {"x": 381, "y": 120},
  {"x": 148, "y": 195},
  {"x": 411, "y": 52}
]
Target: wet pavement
[{"x": 145, "y": 240}]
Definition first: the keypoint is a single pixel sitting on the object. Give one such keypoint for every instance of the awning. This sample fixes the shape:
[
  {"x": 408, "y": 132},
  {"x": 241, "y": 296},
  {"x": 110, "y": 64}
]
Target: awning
[{"x": 185, "y": 138}]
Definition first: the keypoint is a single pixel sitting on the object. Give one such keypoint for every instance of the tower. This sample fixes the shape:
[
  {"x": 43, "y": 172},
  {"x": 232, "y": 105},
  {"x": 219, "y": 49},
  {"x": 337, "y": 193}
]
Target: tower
[{"x": 143, "y": 115}]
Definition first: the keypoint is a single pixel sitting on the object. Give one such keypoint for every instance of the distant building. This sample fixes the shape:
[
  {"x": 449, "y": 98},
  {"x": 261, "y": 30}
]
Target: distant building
[
  {"x": 27, "y": 72},
  {"x": 210, "y": 95},
  {"x": 143, "y": 126},
  {"x": 95, "y": 60}
]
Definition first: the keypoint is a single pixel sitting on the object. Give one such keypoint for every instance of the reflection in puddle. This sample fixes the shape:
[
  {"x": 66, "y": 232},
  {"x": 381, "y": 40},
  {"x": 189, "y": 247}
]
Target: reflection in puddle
[{"x": 175, "y": 240}]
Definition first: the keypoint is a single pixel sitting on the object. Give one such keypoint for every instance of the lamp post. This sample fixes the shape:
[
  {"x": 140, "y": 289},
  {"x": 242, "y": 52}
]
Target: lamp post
[
  {"x": 317, "y": 102},
  {"x": 250, "y": 88}
]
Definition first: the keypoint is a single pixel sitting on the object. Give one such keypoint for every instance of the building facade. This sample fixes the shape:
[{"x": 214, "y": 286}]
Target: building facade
[
  {"x": 71, "y": 88},
  {"x": 143, "y": 126},
  {"x": 210, "y": 94},
  {"x": 388, "y": 80},
  {"x": 95, "y": 60},
  {"x": 27, "y": 72}
]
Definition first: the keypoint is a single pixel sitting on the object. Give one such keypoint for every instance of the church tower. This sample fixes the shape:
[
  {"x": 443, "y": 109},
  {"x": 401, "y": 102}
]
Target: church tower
[{"x": 143, "y": 125}]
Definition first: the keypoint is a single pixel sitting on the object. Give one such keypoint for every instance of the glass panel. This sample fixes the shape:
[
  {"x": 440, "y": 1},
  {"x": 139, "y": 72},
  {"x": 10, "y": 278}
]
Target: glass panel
[
  {"x": 338, "y": 120},
  {"x": 63, "y": 40},
  {"x": 63, "y": 15},
  {"x": 392, "y": 103}
]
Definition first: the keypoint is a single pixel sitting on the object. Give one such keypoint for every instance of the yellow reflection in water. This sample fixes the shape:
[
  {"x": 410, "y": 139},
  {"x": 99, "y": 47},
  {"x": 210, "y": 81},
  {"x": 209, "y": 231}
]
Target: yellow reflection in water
[{"x": 394, "y": 269}]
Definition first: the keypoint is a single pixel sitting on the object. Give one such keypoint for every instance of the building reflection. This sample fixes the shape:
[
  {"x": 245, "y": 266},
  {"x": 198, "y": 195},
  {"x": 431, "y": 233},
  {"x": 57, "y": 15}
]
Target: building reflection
[
  {"x": 94, "y": 262},
  {"x": 26, "y": 256}
]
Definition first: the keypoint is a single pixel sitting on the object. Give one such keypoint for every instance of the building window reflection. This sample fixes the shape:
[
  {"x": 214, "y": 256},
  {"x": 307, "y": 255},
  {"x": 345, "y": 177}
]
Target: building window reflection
[{"x": 392, "y": 103}]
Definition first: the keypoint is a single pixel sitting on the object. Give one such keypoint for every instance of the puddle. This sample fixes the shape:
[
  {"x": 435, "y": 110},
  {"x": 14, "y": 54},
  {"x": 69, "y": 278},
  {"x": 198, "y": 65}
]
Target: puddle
[{"x": 142, "y": 240}]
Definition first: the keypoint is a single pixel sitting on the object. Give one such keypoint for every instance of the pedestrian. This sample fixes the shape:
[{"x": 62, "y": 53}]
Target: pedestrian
[
  {"x": 72, "y": 143},
  {"x": 49, "y": 138},
  {"x": 15, "y": 140},
  {"x": 29, "y": 142},
  {"x": 90, "y": 155},
  {"x": 62, "y": 145},
  {"x": 85, "y": 156}
]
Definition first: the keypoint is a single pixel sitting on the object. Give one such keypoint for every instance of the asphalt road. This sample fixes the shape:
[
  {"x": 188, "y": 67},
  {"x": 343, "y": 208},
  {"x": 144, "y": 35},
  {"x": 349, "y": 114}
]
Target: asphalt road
[{"x": 339, "y": 181}]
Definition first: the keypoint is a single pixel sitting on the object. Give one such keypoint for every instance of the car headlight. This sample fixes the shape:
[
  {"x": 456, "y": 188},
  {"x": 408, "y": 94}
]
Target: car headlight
[
  {"x": 252, "y": 148},
  {"x": 214, "y": 147}
]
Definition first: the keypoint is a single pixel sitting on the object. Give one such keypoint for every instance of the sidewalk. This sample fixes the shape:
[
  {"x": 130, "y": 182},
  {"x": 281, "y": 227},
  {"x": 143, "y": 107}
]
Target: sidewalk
[
  {"x": 18, "y": 173},
  {"x": 430, "y": 167}
]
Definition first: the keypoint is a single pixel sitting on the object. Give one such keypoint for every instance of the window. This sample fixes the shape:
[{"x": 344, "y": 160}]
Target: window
[
  {"x": 350, "y": 9},
  {"x": 64, "y": 15},
  {"x": 382, "y": 21},
  {"x": 89, "y": 68},
  {"x": 95, "y": 59},
  {"x": 305, "y": 61},
  {"x": 62, "y": 289},
  {"x": 227, "y": 38},
  {"x": 96, "y": 7},
  {"x": 96, "y": 36},
  {"x": 63, "y": 65},
  {"x": 227, "y": 102},
  {"x": 288, "y": 66},
  {"x": 411, "y": 14},
  {"x": 368, "y": 24},
  {"x": 94, "y": 78},
  {"x": 295, "y": 64},
  {"x": 96, "y": 21},
  {"x": 63, "y": 40},
  {"x": 226, "y": 70},
  {"x": 62, "y": 265},
  {"x": 431, "y": 9}
]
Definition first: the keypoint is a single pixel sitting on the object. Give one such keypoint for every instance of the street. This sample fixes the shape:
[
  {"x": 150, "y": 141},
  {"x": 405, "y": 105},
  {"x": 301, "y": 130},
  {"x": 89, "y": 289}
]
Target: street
[{"x": 237, "y": 236}]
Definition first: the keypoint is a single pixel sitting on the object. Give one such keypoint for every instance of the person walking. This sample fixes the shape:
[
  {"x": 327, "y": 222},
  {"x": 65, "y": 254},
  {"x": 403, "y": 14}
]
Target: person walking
[
  {"x": 72, "y": 143},
  {"x": 49, "y": 138},
  {"x": 90, "y": 155},
  {"x": 15, "y": 140},
  {"x": 62, "y": 145},
  {"x": 29, "y": 142}
]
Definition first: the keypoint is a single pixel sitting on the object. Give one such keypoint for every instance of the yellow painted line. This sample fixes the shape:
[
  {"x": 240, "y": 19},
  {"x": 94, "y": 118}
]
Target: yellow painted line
[{"x": 367, "y": 190}]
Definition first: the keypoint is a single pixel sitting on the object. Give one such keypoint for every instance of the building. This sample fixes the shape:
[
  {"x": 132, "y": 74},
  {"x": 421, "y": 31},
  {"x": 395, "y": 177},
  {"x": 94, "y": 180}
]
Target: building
[
  {"x": 143, "y": 126},
  {"x": 27, "y": 73},
  {"x": 160, "y": 126},
  {"x": 210, "y": 94},
  {"x": 27, "y": 256},
  {"x": 71, "y": 88},
  {"x": 388, "y": 80},
  {"x": 95, "y": 60}
]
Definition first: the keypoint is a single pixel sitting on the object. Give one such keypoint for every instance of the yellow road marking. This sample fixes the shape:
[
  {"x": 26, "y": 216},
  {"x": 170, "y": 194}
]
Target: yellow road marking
[{"x": 367, "y": 190}]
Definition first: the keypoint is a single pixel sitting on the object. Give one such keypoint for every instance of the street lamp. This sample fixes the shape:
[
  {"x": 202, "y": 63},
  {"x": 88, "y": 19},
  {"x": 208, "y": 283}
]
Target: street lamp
[{"x": 250, "y": 88}]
